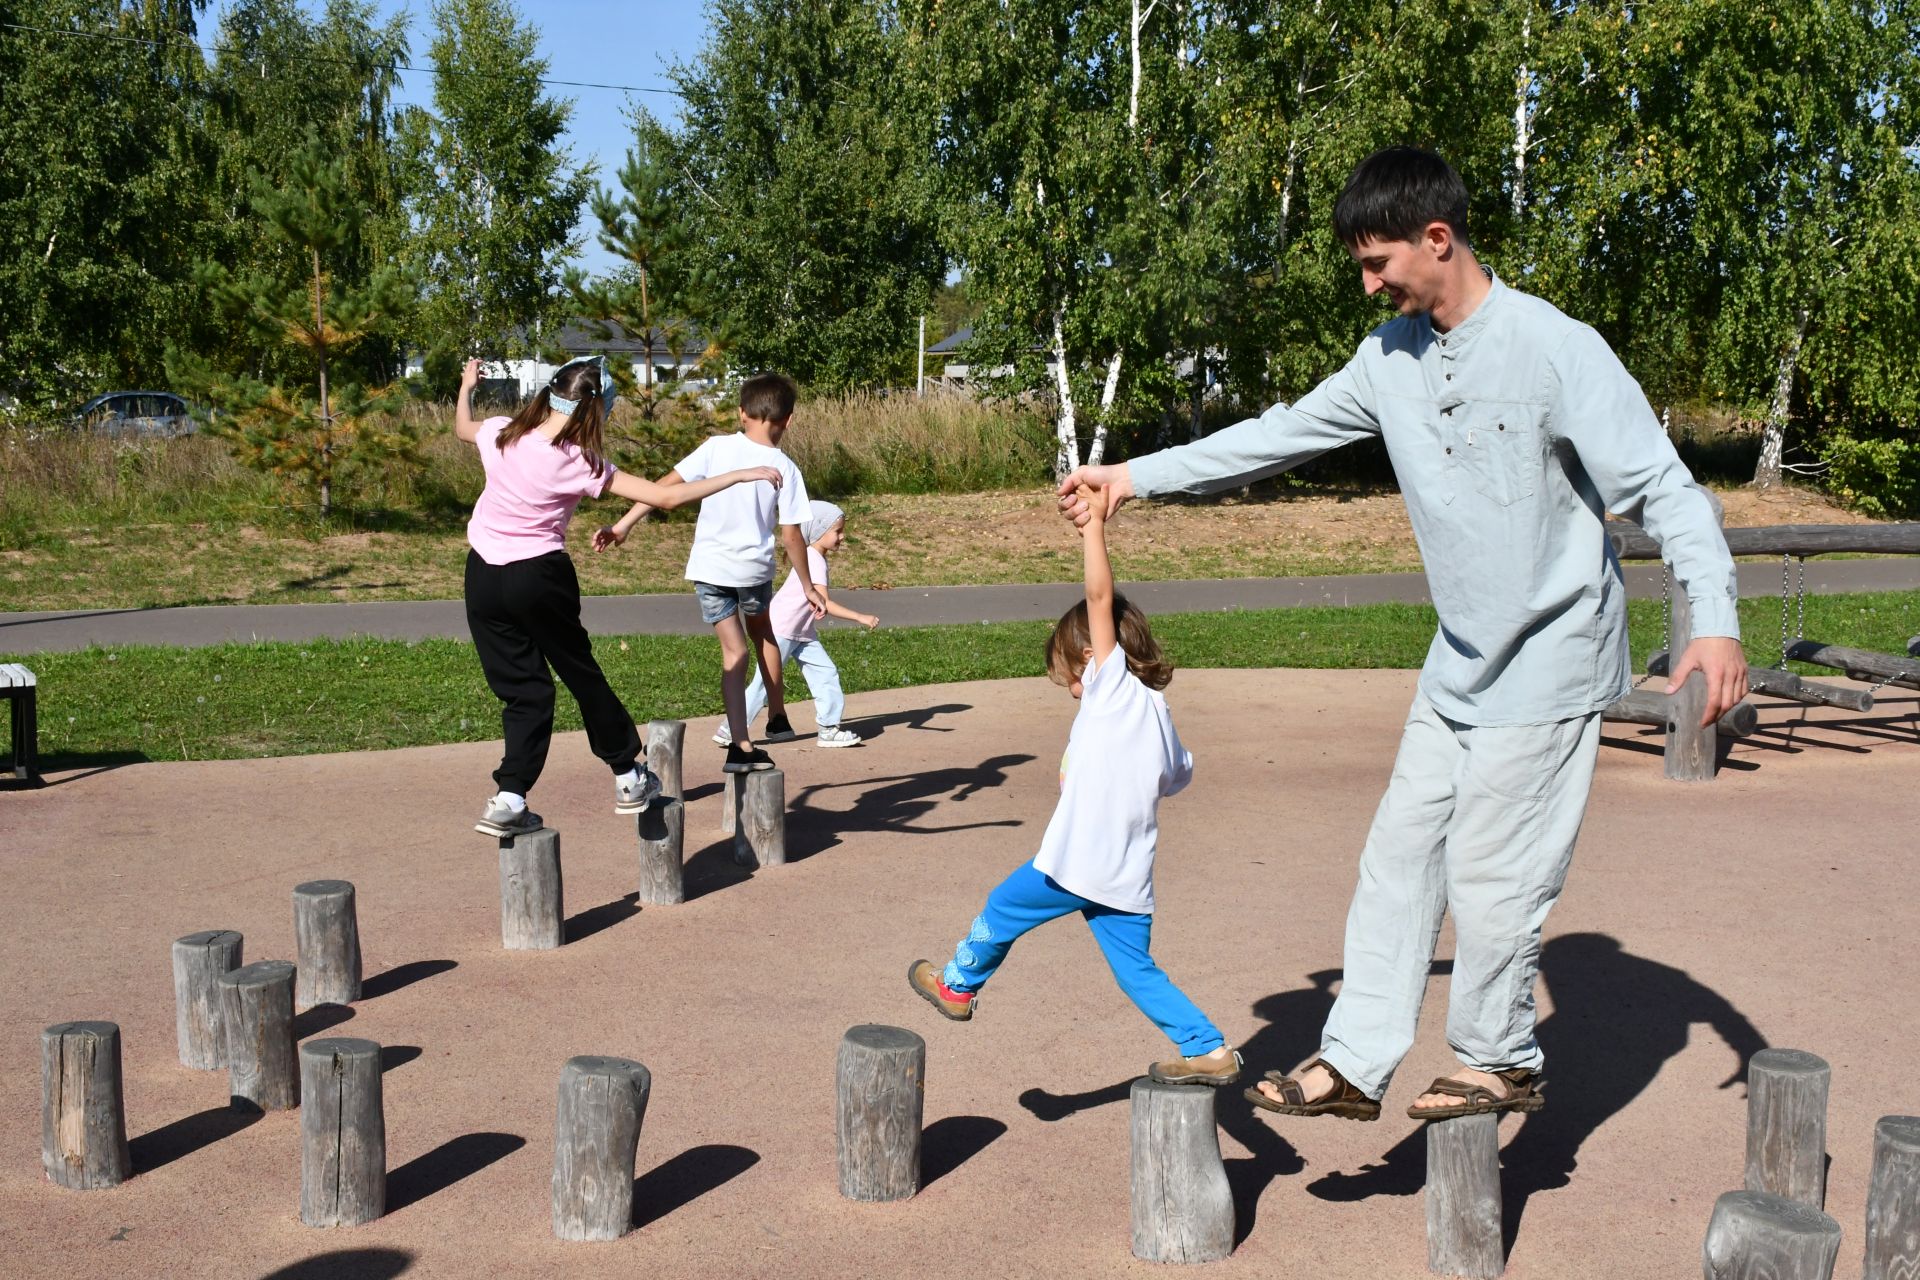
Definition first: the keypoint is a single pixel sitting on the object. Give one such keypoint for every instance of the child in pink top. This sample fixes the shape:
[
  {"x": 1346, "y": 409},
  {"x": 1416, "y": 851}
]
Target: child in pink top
[{"x": 523, "y": 598}]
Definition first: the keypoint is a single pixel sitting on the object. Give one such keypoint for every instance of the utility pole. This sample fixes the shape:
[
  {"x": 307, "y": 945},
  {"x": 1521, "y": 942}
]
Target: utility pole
[{"x": 920, "y": 366}]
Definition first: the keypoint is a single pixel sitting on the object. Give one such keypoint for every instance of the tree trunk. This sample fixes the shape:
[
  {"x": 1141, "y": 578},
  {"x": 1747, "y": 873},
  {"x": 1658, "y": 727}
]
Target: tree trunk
[
  {"x": 1066, "y": 432},
  {"x": 646, "y": 336},
  {"x": 1773, "y": 442},
  {"x": 1522, "y": 118},
  {"x": 1098, "y": 449},
  {"x": 326, "y": 411}
]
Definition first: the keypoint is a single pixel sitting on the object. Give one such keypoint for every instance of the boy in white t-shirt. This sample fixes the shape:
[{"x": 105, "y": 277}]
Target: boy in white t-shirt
[
  {"x": 1096, "y": 857},
  {"x": 732, "y": 562}
]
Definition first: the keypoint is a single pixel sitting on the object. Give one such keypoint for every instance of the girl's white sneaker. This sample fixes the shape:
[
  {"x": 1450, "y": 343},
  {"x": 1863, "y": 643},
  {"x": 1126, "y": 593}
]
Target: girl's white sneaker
[{"x": 832, "y": 735}]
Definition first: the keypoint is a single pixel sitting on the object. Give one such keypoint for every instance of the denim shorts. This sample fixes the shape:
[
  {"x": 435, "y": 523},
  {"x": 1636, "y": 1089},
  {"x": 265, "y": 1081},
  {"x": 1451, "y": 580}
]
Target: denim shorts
[{"x": 717, "y": 604}]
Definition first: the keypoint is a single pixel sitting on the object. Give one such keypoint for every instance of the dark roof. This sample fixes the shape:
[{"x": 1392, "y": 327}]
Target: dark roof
[
  {"x": 582, "y": 337},
  {"x": 952, "y": 342}
]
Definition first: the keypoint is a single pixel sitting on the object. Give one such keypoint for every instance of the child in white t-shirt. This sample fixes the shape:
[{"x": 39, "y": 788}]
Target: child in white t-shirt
[
  {"x": 1097, "y": 854},
  {"x": 732, "y": 562},
  {"x": 793, "y": 627}
]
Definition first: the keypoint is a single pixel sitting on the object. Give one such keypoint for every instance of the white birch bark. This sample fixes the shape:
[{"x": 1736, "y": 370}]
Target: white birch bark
[
  {"x": 1766, "y": 475},
  {"x": 1067, "y": 433},
  {"x": 1133, "y": 93},
  {"x": 1522, "y": 118},
  {"x": 1099, "y": 447}
]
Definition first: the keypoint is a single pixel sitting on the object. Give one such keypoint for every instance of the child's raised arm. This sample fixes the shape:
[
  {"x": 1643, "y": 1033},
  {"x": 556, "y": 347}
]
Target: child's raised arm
[
  {"x": 667, "y": 496},
  {"x": 1099, "y": 575},
  {"x": 463, "y": 424},
  {"x": 615, "y": 534}
]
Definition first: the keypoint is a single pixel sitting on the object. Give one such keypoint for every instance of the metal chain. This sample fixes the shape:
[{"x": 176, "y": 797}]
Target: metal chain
[
  {"x": 1666, "y": 626},
  {"x": 1800, "y": 595},
  {"x": 1784, "y": 558}
]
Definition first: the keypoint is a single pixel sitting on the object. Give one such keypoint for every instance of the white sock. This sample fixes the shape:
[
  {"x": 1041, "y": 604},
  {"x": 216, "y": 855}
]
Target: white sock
[
  {"x": 626, "y": 779},
  {"x": 513, "y": 800}
]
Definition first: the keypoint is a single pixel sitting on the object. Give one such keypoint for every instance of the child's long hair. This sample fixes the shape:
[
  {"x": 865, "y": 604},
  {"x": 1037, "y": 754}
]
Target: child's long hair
[
  {"x": 1072, "y": 637},
  {"x": 586, "y": 427}
]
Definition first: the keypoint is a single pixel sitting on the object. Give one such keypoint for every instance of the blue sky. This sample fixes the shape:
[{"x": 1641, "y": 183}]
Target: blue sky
[{"x": 626, "y": 42}]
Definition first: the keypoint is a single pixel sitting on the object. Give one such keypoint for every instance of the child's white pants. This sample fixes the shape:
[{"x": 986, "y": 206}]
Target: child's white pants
[
  {"x": 1480, "y": 821},
  {"x": 816, "y": 668}
]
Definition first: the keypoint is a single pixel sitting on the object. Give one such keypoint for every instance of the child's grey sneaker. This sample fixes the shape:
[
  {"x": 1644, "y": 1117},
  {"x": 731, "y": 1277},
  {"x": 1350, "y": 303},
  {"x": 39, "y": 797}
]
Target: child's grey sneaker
[
  {"x": 832, "y": 735},
  {"x": 632, "y": 797},
  {"x": 723, "y": 736},
  {"x": 499, "y": 820}
]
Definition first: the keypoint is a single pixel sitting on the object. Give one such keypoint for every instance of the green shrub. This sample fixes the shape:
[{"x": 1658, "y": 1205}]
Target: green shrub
[{"x": 1878, "y": 475}]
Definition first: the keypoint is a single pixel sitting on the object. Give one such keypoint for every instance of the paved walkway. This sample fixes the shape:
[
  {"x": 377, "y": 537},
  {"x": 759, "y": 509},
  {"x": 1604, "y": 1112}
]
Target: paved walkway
[{"x": 675, "y": 614}]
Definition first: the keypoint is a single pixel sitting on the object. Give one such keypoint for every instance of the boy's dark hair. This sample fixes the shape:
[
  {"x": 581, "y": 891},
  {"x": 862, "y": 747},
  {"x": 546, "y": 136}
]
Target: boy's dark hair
[
  {"x": 1395, "y": 192},
  {"x": 1073, "y": 636},
  {"x": 586, "y": 426},
  {"x": 768, "y": 397}
]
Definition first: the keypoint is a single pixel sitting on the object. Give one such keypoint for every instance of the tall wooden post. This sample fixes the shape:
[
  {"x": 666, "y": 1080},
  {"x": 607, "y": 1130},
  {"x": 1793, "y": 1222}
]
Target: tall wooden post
[
  {"x": 532, "y": 906},
  {"x": 198, "y": 961},
  {"x": 880, "y": 1093},
  {"x": 1692, "y": 748},
  {"x": 256, "y": 1002},
  {"x": 1787, "y": 1125},
  {"x": 662, "y": 831},
  {"x": 343, "y": 1133},
  {"x": 83, "y": 1114},
  {"x": 1893, "y": 1201},
  {"x": 326, "y": 935},
  {"x": 666, "y": 740},
  {"x": 760, "y": 839},
  {"x": 1182, "y": 1205},
  {"x": 596, "y": 1132},
  {"x": 1463, "y": 1197}
]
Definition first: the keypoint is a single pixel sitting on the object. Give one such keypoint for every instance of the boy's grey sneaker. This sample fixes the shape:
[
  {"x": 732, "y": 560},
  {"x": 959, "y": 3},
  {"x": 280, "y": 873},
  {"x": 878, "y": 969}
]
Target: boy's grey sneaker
[
  {"x": 498, "y": 820},
  {"x": 632, "y": 797},
  {"x": 739, "y": 761},
  {"x": 779, "y": 729},
  {"x": 832, "y": 735}
]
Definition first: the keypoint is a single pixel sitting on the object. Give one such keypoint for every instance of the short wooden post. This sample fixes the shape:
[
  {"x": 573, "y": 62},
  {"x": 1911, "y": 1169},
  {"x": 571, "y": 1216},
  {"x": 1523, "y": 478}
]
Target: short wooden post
[
  {"x": 1692, "y": 748},
  {"x": 881, "y": 1078},
  {"x": 595, "y": 1134},
  {"x": 83, "y": 1115},
  {"x": 665, "y": 741},
  {"x": 761, "y": 840},
  {"x": 532, "y": 914},
  {"x": 1463, "y": 1197},
  {"x": 343, "y": 1133},
  {"x": 256, "y": 1002},
  {"x": 198, "y": 961},
  {"x": 1754, "y": 1235},
  {"x": 662, "y": 828},
  {"x": 1787, "y": 1125},
  {"x": 1182, "y": 1205},
  {"x": 730, "y": 802},
  {"x": 326, "y": 936},
  {"x": 1893, "y": 1201}
]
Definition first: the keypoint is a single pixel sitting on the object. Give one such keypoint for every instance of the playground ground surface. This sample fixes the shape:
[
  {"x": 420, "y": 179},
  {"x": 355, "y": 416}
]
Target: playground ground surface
[{"x": 1700, "y": 923}]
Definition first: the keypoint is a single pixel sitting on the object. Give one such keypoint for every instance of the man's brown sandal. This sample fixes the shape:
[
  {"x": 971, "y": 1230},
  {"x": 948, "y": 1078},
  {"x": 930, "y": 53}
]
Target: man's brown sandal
[
  {"x": 1346, "y": 1100},
  {"x": 1523, "y": 1094}
]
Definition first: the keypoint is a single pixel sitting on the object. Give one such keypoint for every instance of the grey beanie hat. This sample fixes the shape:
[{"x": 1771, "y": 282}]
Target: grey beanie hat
[{"x": 821, "y": 516}]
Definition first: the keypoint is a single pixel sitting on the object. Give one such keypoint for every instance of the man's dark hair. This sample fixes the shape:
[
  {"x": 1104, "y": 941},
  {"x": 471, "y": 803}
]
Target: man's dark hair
[
  {"x": 1395, "y": 192},
  {"x": 768, "y": 397}
]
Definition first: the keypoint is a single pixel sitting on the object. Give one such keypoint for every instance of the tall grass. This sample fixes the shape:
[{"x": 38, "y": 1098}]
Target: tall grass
[{"x": 55, "y": 481}]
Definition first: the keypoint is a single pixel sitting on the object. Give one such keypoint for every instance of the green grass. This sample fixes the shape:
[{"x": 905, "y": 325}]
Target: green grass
[{"x": 247, "y": 700}]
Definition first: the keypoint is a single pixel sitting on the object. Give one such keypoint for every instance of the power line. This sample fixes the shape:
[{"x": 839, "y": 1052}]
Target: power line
[{"x": 116, "y": 38}]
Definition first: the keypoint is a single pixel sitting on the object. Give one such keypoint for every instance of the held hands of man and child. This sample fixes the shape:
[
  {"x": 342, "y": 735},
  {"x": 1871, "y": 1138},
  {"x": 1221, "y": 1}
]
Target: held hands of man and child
[{"x": 1717, "y": 658}]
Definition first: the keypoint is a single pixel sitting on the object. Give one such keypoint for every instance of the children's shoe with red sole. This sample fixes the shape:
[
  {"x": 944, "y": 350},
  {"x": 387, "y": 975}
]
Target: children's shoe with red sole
[{"x": 925, "y": 980}]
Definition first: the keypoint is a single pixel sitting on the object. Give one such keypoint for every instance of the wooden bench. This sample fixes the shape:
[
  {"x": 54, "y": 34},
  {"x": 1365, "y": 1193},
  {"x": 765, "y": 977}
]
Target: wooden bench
[{"x": 19, "y": 686}]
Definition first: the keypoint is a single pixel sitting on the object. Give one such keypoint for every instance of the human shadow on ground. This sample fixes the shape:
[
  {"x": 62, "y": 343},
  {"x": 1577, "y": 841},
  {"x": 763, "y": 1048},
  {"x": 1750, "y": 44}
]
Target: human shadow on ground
[
  {"x": 685, "y": 1178},
  {"x": 403, "y": 975},
  {"x": 896, "y": 803},
  {"x": 950, "y": 1142},
  {"x": 346, "y": 1264},
  {"x": 322, "y": 1017},
  {"x": 159, "y": 1147},
  {"x": 580, "y": 927},
  {"x": 871, "y": 727},
  {"x": 1617, "y": 1019},
  {"x": 447, "y": 1164}
]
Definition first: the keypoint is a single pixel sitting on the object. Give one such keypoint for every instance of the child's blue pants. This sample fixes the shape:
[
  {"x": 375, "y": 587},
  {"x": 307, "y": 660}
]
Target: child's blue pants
[{"x": 1028, "y": 898}]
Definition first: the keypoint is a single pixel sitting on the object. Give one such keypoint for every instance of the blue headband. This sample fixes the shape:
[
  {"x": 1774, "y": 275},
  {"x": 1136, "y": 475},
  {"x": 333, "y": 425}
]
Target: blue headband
[{"x": 607, "y": 393}]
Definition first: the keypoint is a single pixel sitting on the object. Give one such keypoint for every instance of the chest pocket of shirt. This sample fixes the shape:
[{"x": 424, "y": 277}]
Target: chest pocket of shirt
[{"x": 1496, "y": 449}]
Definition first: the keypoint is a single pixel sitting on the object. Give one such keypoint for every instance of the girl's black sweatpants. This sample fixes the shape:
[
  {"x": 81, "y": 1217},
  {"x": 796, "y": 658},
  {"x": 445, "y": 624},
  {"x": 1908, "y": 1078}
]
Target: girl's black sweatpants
[{"x": 524, "y": 617}]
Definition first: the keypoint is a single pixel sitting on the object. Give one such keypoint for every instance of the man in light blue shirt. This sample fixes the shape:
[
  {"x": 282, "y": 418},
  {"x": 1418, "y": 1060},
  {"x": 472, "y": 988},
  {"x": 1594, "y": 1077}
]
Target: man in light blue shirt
[{"x": 1513, "y": 430}]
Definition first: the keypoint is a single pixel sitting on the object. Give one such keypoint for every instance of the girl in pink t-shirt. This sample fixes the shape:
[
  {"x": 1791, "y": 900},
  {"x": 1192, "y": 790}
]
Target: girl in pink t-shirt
[{"x": 523, "y": 598}]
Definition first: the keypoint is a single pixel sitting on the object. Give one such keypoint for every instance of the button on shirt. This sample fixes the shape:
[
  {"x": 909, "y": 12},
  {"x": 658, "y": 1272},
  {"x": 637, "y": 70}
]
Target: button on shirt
[{"x": 1512, "y": 434}]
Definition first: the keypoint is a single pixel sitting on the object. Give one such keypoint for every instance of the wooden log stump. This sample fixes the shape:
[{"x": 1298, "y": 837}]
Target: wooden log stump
[
  {"x": 83, "y": 1114},
  {"x": 1893, "y": 1201},
  {"x": 761, "y": 837},
  {"x": 1755, "y": 1235},
  {"x": 1650, "y": 706},
  {"x": 662, "y": 830},
  {"x": 326, "y": 936},
  {"x": 596, "y": 1132},
  {"x": 1182, "y": 1205},
  {"x": 256, "y": 1002},
  {"x": 730, "y": 802},
  {"x": 1787, "y": 1125},
  {"x": 198, "y": 961},
  {"x": 1858, "y": 664},
  {"x": 343, "y": 1133},
  {"x": 881, "y": 1089},
  {"x": 532, "y": 911},
  {"x": 666, "y": 741},
  {"x": 1463, "y": 1197},
  {"x": 1692, "y": 753}
]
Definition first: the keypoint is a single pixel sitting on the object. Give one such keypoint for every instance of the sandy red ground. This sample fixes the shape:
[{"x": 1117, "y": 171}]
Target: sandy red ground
[{"x": 1774, "y": 906}]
